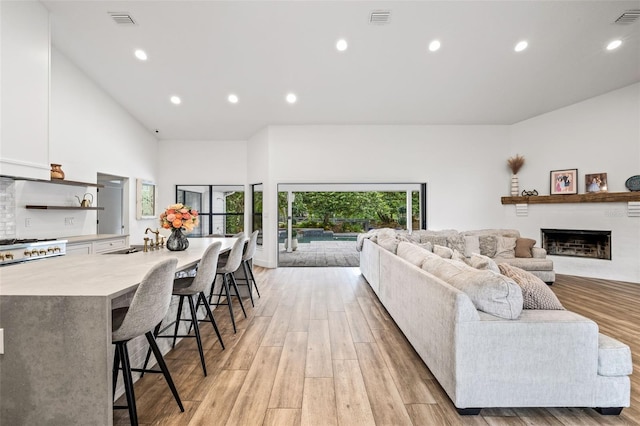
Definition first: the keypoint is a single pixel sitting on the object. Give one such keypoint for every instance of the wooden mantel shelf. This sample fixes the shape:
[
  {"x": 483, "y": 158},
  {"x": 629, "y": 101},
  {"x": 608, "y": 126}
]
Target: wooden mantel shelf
[{"x": 597, "y": 197}]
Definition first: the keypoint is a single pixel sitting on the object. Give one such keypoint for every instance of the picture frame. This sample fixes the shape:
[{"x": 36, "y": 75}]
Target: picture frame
[
  {"x": 595, "y": 182},
  {"x": 146, "y": 199},
  {"x": 563, "y": 182}
]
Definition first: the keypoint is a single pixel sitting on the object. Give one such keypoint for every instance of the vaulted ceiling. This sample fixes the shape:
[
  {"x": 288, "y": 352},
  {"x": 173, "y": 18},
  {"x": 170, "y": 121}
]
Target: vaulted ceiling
[{"x": 203, "y": 51}]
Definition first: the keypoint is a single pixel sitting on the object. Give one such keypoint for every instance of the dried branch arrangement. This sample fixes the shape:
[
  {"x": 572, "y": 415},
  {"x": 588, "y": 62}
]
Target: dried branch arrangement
[{"x": 515, "y": 163}]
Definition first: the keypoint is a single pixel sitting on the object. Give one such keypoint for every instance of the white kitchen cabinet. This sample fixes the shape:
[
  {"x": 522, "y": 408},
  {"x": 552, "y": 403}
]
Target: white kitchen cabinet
[
  {"x": 79, "y": 248},
  {"x": 24, "y": 84},
  {"x": 97, "y": 245}
]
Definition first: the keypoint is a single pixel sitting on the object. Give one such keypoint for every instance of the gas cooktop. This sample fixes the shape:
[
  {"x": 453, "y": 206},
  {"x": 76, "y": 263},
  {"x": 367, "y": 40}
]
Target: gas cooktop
[{"x": 11, "y": 241}]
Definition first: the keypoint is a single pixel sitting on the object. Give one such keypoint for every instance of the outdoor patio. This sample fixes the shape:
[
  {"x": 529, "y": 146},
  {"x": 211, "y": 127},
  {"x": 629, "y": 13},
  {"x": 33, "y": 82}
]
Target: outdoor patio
[{"x": 320, "y": 253}]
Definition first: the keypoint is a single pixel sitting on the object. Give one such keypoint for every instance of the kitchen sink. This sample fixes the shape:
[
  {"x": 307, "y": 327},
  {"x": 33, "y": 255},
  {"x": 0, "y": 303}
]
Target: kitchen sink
[{"x": 128, "y": 250}]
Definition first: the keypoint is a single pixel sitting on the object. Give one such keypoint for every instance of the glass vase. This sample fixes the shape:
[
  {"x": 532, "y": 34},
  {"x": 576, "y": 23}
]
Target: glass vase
[{"x": 177, "y": 241}]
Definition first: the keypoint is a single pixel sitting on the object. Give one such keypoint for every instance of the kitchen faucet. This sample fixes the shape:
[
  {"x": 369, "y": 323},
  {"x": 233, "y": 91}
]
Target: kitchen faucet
[{"x": 158, "y": 243}]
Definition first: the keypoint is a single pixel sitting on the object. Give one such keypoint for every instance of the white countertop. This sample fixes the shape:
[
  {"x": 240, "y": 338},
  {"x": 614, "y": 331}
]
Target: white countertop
[{"x": 99, "y": 275}]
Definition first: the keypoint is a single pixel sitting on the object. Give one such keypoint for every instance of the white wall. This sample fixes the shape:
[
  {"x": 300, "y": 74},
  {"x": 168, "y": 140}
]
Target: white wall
[
  {"x": 199, "y": 163},
  {"x": 601, "y": 134},
  {"x": 463, "y": 166},
  {"x": 90, "y": 133}
]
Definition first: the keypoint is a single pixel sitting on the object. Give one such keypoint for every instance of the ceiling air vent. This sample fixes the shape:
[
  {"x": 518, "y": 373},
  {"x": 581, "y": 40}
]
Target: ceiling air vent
[
  {"x": 380, "y": 17},
  {"x": 628, "y": 17},
  {"x": 122, "y": 18}
]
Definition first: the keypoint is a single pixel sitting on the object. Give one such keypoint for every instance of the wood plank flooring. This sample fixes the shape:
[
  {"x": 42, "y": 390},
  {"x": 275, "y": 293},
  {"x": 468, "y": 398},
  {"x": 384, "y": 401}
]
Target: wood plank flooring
[{"x": 319, "y": 349}]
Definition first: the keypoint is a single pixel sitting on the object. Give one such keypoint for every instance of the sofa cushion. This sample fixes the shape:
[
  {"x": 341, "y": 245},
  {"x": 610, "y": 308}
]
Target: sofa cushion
[
  {"x": 529, "y": 264},
  {"x": 388, "y": 242},
  {"x": 490, "y": 292},
  {"x": 524, "y": 246},
  {"x": 480, "y": 261},
  {"x": 456, "y": 242},
  {"x": 442, "y": 251},
  {"x": 505, "y": 248},
  {"x": 471, "y": 245},
  {"x": 413, "y": 253},
  {"x": 488, "y": 245},
  {"x": 614, "y": 357},
  {"x": 535, "y": 293}
]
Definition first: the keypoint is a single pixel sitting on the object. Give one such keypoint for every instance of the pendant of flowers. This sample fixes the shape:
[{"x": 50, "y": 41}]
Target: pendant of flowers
[{"x": 179, "y": 216}]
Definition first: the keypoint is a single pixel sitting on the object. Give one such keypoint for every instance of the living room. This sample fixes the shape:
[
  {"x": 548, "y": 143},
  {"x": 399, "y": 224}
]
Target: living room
[{"x": 464, "y": 163}]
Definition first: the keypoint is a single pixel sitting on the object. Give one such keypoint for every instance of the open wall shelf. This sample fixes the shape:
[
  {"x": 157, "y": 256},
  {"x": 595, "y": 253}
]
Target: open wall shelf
[
  {"x": 596, "y": 197},
  {"x": 62, "y": 208},
  {"x": 65, "y": 182}
]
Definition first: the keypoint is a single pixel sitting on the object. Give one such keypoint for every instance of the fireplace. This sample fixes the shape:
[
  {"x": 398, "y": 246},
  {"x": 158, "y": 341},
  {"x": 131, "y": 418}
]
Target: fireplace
[{"x": 577, "y": 243}]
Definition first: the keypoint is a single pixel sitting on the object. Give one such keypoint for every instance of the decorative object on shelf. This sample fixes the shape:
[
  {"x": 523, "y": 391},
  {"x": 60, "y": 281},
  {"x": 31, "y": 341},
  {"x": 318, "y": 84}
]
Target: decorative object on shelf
[
  {"x": 526, "y": 193},
  {"x": 178, "y": 218},
  {"x": 515, "y": 164},
  {"x": 596, "y": 182},
  {"x": 56, "y": 171},
  {"x": 85, "y": 202},
  {"x": 564, "y": 181},
  {"x": 633, "y": 183}
]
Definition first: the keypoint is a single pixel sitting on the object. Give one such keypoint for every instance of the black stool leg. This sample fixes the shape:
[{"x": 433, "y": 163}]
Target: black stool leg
[
  {"x": 116, "y": 367},
  {"x": 202, "y": 298},
  {"x": 196, "y": 328},
  {"x": 255, "y": 284},
  {"x": 163, "y": 367},
  {"x": 148, "y": 357},
  {"x": 235, "y": 286},
  {"x": 175, "y": 331},
  {"x": 128, "y": 383},
  {"x": 246, "y": 277},
  {"x": 226, "y": 289}
]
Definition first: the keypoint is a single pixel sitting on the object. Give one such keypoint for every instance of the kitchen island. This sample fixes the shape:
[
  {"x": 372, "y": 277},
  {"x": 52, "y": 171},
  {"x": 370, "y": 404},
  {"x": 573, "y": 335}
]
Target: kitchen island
[{"x": 56, "y": 316}]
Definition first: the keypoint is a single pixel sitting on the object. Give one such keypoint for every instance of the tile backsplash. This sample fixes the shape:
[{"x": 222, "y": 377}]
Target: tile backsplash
[{"x": 7, "y": 208}]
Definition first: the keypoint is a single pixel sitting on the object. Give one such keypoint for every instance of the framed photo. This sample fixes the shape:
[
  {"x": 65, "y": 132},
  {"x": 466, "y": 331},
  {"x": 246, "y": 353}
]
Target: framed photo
[
  {"x": 146, "y": 200},
  {"x": 596, "y": 182},
  {"x": 564, "y": 182}
]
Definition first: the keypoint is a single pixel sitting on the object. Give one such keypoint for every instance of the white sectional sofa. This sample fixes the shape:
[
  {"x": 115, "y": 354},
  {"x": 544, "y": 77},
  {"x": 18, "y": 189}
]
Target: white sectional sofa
[{"x": 543, "y": 358}]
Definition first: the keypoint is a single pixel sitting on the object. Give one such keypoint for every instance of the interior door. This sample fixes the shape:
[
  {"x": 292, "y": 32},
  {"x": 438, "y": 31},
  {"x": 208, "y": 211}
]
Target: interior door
[{"x": 110, "y": 219}]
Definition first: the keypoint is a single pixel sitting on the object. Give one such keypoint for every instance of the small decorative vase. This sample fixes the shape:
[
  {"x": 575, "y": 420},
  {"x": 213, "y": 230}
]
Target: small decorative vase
[
  {"x": 56, "y": 171},
  {"x": 515, "y": 187},
  {"x": 177, "y": 241}
]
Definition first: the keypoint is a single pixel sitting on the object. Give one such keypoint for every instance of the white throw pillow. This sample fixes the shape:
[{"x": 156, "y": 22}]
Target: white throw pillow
[
  {"x": 442, "y": 251},
  {"x": 480, "y": 261},
  {"x": 471, "y": 245}
]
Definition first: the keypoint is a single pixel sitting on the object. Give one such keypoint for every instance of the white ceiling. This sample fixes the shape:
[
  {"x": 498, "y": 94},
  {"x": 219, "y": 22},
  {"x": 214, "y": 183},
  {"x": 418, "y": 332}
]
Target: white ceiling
[{"x": 204, "y": 50}]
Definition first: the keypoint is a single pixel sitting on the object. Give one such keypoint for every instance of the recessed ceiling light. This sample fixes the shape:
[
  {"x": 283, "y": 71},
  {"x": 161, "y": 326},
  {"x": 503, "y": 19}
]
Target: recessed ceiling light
[
  {"x": 434, "y": 45},
  {"x": 176, "y": 100},
  {"x": 521, "y": 46},
  {"x": 233, "y": 98},
  {"x": 292, "y": 98},
  {"x": 141, "y": 54},
  {"x": 342, "y": 45},
  {"x": 614, "y": 44}
]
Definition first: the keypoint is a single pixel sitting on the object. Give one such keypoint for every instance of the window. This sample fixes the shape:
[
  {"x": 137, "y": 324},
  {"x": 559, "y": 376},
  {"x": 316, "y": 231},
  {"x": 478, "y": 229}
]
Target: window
[
  {"x": 221, "y": 207},
  {"x": 256, "y": 222}
]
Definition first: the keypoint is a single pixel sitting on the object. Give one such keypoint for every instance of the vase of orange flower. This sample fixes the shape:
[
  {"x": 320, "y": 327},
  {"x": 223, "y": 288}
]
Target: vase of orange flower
[{"x": 179, "y": 219}]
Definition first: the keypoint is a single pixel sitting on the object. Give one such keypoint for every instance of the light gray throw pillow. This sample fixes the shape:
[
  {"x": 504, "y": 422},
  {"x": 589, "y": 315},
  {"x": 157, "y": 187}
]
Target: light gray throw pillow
[{"x": 492, "y": 293}]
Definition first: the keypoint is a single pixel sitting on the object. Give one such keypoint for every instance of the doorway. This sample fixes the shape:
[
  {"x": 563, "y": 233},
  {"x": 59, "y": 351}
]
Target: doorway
[
  {"x": 318, "y": 224},
  {"x": 111, "y": 220}
]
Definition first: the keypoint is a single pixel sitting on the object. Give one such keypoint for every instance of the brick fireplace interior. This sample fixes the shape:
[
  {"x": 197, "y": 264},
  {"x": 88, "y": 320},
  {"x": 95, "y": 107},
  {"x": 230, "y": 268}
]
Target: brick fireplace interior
[{"x": 577, "y": 243}]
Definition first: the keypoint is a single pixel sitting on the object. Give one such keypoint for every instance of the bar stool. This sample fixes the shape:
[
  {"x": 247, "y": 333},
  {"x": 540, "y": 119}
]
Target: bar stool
[
  {"x": 148, "y": 307},
  {"x": 231, "y": 265},
  {"x": 247, "y": 258},
  {"x": 188, "y": 287}
]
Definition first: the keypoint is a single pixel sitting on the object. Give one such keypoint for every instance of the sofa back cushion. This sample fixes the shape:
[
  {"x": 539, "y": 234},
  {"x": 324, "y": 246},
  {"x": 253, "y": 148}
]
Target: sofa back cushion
[
  {"x": 413, "y": 253},
  {"x": 492, "y": 293}
]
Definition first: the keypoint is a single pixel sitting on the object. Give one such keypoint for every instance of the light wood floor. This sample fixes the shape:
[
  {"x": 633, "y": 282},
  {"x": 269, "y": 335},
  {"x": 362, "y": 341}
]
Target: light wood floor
[{"x": 319, "y": 349}]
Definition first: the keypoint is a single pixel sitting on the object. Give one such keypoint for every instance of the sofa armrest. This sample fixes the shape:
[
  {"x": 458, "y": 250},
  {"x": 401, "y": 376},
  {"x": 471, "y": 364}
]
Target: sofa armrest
[{"x": 538, "y": 252}]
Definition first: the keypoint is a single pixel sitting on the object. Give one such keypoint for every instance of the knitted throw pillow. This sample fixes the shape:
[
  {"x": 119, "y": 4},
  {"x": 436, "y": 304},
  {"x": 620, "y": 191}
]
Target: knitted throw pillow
[{"x": 535, "y": 293}]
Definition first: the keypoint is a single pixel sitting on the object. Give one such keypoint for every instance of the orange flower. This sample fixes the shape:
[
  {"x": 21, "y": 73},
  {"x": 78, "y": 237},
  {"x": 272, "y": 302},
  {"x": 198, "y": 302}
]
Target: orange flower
[{"x": 177, "y": 223}]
